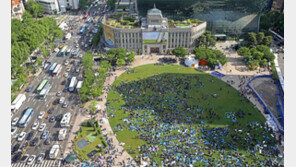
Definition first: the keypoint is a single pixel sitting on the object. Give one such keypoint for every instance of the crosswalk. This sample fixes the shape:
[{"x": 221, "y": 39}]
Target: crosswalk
[{"x": 45, "y": 163}]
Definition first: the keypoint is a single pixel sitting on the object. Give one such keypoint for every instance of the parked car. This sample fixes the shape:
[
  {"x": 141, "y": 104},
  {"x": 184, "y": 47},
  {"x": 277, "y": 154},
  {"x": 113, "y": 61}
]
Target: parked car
[
  {"x": 24, "y": 158},
  {"x": 66, "y": 62},
  {"x": 40, "y": 158},
  {"x": 59, "y": 117},
  {"x": 62, "y": 99},
  {"x": 47, "y": 141},
  {"x": 68, "y": 69},
  {"x": 41, "y": 114},
  {"x": 50, "y": 110},
  {"x": 15, "y": 148},
  {"x": 31, "y": 159},
  {"x": 59, "y": 93},
  {"x": 52, "y": 119},
  {"x": 65, "y": 104},
  {"x": 30, "y": 135},
  {"x": 34, "y": 142},
  {"x": 16, "y": 158},
  {"x": 14, "y": 121},
  {"x": 66, "y": 74},
  {"x": 42, "y": 127},
  {"x": 21, "y": 136},
  {"x": 35, "y": 125},
  {"x": 29, "y": 88},
  {"x": 13, "y": 130},
  {"x": 64, "y": 82},
  {"x": 45, "y": 134}
]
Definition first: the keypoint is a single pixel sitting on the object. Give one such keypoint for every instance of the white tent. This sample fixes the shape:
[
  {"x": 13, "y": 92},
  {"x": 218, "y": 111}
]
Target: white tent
[
  {"x": 98, "y": 107},
  {"x": 191, "y": 62}
]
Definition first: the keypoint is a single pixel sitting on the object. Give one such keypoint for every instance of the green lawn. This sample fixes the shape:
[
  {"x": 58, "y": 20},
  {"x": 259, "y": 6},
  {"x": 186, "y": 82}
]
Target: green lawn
[
  {"x": 89, "y": 134},
  {"x": 228, "y": 100}
]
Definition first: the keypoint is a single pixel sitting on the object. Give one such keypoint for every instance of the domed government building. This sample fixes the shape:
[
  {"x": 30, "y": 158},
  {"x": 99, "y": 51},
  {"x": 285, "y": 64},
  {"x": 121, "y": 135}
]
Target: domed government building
[{"x": 153, "y": 34}]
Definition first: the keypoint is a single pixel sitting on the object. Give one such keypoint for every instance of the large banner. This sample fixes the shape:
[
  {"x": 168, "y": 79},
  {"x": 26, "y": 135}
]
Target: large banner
[
  {"x": 154, "y": 37},
  {"x": 109, "y": 35}
]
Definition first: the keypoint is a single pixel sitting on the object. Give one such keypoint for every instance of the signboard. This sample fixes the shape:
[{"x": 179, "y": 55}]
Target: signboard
[
  {"x": 154, "y": 37},
  {"x": 109, "y": 35}
]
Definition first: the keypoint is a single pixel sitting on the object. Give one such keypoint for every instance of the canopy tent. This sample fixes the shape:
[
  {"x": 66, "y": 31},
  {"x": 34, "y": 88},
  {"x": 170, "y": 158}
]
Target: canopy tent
[
  {"x": 98, "y": 107},
  {"x": 191, "y": 62},
  {"x": 70, "y": 158}
]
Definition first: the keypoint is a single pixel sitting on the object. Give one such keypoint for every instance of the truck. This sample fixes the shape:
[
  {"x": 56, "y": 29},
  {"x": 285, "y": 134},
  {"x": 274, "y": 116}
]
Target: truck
[
  {"x": 65, "y": 122},
  {"x": 62, "y": 134},
  {"x": 17, "y": 102},
  {"x": 53, "y": 153}
]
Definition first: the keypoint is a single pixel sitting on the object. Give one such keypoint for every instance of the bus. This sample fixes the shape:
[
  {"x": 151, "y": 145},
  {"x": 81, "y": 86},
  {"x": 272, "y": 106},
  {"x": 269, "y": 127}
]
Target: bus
[
  {"x": 72, "y": 84},
  {"x": 16, "y": 104},
  {"x": 65, "y": 122},
  {"x": 28, "y": 113},
  {"x": 41, "y": 86},
  {"x": 57, "y": 70},
  {"x": 69, "y": 51},
  {"x": 45, "y": 91},
  {"x": 52, "y": 67}
]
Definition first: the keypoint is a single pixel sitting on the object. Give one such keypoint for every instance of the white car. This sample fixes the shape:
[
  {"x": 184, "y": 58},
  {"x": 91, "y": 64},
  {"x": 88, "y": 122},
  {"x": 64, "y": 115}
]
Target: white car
[
  {"x": 42, "y": 127},
  {"x": 14, "y": 121},
  {"x": 31, "y": 160},
  {"x": 66, "y": 62},
  {"x": 21, "y": 136},
  {"x": 41, "y": 114},
  {"x": 68, "y": 69},
  {"x": 13, "y": 130},
  {"x": 35, "y": 125},
  {"x": 66, "y": 75}
]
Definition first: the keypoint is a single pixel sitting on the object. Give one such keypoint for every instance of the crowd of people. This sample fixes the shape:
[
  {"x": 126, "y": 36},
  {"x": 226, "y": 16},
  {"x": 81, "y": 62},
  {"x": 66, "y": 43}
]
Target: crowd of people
[{"x": 177, "y": 128}]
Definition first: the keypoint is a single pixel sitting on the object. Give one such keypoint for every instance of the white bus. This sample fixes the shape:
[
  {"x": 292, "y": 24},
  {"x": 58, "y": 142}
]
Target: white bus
[
  {"x": 79, "y": 85},
  {"x": 57, "y": 70},
  {"x": 62, "y": 134},
  {"x": 72, "y": 84},
  {"x": 45, "y": 91},
  {"x": 53, "y": 153},
  {"x": 17, "y": 102},
  {"x": 65, "y": 122}
]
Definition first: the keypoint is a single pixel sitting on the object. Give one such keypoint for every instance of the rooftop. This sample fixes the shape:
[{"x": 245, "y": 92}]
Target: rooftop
[{"x": 154, "y": 10}]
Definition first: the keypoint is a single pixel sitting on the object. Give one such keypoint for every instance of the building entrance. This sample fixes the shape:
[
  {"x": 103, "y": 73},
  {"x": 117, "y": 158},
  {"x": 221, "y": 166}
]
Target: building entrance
[{"x": 154, "y": 50}]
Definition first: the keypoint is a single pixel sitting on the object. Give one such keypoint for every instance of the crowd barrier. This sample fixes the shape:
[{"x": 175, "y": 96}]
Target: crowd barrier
[{"x": 279, "y": 127}]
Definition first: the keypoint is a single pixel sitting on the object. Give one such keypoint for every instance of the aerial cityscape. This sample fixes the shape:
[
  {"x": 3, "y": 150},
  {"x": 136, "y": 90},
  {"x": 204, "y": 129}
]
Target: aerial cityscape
[{"x": 103, "y": 83}]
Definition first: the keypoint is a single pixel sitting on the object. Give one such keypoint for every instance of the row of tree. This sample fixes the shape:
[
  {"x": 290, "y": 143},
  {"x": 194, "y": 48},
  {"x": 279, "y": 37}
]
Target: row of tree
[
  {"x": 35, "y": 9},
  {"x": 273, "y": 20},
  {"x": 96, "y": 39},
  {"x": 253, "y": 39},
  {"x": 120, "y": 57},
  {"x": 27, "y": 35},
  {"x": 258, "y": 56},
  {"x": 212, "y": 56},
  {"x": 94, "y": 78}
]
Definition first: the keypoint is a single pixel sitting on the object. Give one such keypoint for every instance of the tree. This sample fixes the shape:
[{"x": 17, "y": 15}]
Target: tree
[
  {"x": 206, "y": 40},
  {"x": 120, "y": 62},
  {"x": 267, "y": 41},
  {"x": 260, "y": 36},
  {"x": 251, "y": 40},
  {"x": 212, "y": 62},
  {"x": 130, "y": 57},
  {"x": 111, "y": 3},
  {"x": 200, "y": 53},
  {"x": 35, "y": 8},
  {"x": 180, "y": 52}
]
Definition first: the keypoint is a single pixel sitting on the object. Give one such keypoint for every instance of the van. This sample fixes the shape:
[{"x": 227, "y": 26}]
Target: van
[
  {"x": 62, "y": 134},
  {"x": 62, "y": 99}
]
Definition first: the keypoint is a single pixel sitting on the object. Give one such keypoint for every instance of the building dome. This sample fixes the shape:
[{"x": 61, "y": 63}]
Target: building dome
[{"x": 154, "y": 10}]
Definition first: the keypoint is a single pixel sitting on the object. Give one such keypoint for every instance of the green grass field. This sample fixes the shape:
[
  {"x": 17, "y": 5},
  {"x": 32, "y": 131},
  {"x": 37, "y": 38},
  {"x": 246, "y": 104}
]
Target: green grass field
[
  {"x": 228, "y": 100},
  {"x": 89, "y": 135}
]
